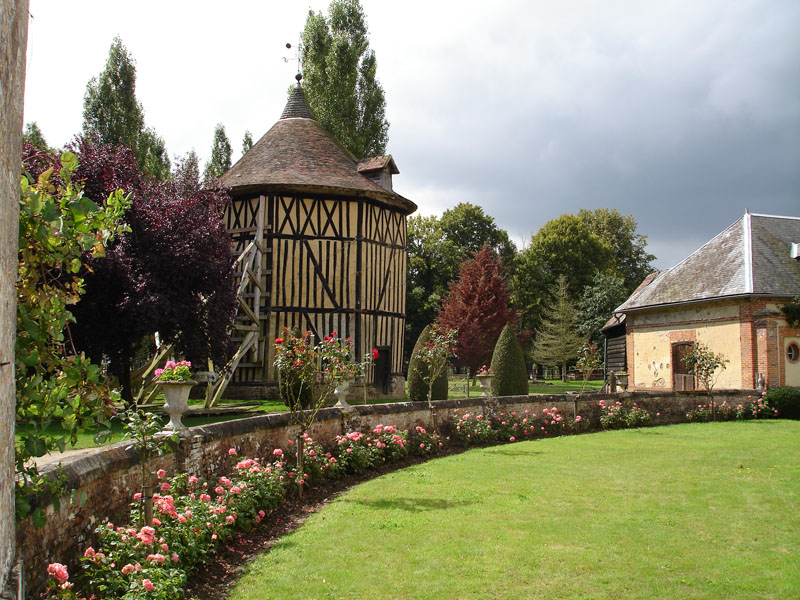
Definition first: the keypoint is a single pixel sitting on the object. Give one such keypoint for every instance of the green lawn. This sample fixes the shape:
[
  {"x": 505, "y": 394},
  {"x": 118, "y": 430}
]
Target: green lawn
[
  {"x": 550, "y": 386},
  {"x": 687, "y": 511}
]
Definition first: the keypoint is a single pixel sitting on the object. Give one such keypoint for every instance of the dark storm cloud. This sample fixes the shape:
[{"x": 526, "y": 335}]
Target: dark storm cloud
[{"x": 682, "y": 128}]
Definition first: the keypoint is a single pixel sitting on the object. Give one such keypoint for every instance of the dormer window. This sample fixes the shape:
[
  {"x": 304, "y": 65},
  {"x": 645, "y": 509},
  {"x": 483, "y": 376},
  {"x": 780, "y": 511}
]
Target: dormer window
[{"x": 379, "y": 170}]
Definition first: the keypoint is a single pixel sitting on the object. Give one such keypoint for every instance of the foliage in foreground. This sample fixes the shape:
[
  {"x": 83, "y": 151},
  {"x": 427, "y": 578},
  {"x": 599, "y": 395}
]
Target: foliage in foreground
[{"x": 59, "y": 229}]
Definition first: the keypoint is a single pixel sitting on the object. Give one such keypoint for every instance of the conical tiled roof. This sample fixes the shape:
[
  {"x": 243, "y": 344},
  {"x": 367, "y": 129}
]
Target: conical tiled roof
[{"x": 297, "y": 154}]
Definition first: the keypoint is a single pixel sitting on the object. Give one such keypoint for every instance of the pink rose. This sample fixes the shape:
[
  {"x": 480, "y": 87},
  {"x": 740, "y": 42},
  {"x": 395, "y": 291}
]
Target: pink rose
[
  {"x": 232, "y": 452},
  {"x": 148, "y": 585},
  {"x": 161, "y": 473},
  {"x": 58, "y": 572}
]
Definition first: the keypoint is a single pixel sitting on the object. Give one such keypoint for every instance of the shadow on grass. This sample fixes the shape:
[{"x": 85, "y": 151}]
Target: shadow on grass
[
  {"x": 515, "y": 453},
  {"x": 410, "y": 504}
]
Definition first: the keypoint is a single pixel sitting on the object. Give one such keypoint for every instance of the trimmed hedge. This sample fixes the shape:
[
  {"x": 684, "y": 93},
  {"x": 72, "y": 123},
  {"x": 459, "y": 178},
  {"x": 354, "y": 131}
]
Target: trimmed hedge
[
  {"x": 417, "y": 370},
  {"x": 786, "y": 400},
  {"x": 509, "y": 374}
]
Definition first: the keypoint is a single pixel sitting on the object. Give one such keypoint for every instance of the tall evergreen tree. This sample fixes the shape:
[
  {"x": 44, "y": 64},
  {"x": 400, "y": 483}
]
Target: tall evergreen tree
[
  {"x": 247, "y": 141},
  {"x": 220, "y": 153},
  {"x": 477, "y": 306},
  {"x": 113, "y": 116},
  {"x": 341, "y": 85},
  {"x": 558, "y": 341}
]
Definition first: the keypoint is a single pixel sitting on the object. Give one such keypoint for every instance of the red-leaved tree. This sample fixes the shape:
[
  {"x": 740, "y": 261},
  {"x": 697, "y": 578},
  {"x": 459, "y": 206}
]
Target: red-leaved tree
[
  {"x": 171, "y": 274},
  {"x": 477, "y": 306}
]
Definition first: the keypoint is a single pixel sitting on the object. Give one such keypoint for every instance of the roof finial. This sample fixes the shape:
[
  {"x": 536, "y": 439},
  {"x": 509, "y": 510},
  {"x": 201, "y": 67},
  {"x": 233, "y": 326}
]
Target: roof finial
[{"x": 297, "y": 57}]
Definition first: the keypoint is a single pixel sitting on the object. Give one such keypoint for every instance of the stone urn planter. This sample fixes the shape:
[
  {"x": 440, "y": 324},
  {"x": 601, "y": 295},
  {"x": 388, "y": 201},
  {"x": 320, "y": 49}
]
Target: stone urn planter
[
  {"x": 341, "y": 393},
  {"x": 485, "y": 382},
  {"x": 176, "y": 402}
]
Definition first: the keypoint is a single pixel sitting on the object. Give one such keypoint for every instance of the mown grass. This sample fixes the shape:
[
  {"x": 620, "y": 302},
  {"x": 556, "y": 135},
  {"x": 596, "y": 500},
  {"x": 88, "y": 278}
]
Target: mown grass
[{"x": 687, "y": 511}]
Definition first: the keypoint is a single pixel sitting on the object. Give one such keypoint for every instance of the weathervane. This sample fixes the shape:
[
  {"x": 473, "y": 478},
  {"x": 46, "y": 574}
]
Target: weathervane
[{"x": 296, "y": 57}]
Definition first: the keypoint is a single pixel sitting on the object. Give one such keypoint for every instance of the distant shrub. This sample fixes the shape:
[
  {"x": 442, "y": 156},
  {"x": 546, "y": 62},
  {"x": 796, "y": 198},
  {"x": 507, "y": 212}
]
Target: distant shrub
[
  {"x": 509, "y": 374},
  {"x": 786, "y": 400},
  {"x": 417, "y": 370}
]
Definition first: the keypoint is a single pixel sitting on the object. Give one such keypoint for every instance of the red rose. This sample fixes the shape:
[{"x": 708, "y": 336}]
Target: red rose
[
  {"x": 278, "y": 340},
  {"x": 374, "y": 354}
]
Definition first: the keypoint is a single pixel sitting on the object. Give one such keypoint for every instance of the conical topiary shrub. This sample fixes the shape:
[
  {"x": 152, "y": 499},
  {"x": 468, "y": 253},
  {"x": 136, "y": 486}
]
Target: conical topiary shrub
[
  {"x": 417, "y": 370},
  {"x": 509, "y": 375}
]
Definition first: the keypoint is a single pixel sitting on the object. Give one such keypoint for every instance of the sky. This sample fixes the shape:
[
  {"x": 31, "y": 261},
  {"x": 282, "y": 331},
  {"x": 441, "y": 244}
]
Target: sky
[{"x": 682, "y": 113}]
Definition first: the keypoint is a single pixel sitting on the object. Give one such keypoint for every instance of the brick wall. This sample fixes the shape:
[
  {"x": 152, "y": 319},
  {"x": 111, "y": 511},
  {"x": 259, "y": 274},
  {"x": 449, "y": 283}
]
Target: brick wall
[{"x": 111, "y": 475}]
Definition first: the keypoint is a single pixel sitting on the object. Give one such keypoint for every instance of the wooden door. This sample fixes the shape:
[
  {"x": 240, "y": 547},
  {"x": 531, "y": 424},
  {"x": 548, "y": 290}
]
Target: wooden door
[
  {"x": 682, "y": 379},
  {"x": 383, "y": 369}
]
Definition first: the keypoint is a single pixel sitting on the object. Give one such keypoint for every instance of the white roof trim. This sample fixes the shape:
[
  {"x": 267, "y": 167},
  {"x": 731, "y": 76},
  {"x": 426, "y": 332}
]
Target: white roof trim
[{"x": 748, "y": 253}]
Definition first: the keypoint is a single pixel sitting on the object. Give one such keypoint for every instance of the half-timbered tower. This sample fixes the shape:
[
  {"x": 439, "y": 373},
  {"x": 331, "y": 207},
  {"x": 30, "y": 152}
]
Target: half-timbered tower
[{"x": 321, "y": 239}]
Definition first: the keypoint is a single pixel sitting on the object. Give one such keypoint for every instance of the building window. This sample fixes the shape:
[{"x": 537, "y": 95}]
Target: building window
[{"x": 793, "y": 352}]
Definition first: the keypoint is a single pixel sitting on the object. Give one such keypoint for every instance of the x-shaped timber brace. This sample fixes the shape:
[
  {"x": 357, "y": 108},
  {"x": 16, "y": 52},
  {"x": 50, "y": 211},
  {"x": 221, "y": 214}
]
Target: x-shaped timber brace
[{"x": 248, "y": 315}]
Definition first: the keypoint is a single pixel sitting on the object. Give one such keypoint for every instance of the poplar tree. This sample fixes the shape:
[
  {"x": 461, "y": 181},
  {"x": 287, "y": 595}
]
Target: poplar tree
[
  {"x": 113, "y": 116},
  {"x": 220, "y": 153},
  {"x": 33, "y": 135},
  {"x": 558, "y": 341},
  {"x": 247, "y": 141},
  {"x": 340, "y": 80}
]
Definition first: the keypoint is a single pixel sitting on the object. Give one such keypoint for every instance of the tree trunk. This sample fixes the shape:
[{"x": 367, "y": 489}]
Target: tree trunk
[
  {"x": 300, "y": 463},
  {"x": 13, "y": 44}
]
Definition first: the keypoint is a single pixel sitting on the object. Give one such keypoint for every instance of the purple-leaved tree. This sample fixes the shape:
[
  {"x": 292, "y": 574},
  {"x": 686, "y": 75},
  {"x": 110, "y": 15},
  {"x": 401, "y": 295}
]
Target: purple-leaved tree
[{"x": 171, "y": 274}]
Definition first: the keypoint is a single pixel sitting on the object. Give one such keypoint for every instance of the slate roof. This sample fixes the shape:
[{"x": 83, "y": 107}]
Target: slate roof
[
  {"x": 750, "y": 258},
  {"x": 297, "y": 154},
  {"x": 377, "y": 163}
]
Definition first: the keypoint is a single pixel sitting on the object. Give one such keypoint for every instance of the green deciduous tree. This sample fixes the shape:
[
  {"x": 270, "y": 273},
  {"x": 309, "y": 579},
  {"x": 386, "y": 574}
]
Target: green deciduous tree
[
  {"x": 341, "y": 86},
  {"x": 469, "y": 229},
  {"x": 558, "y": 340},
  {"x": 629, "y": 255},
  {"x": 220, "y": 153},
  {"x": 597, "y": 303},
  {"x": 112, "y": 114},
  {"x": 562, "y": 247}
]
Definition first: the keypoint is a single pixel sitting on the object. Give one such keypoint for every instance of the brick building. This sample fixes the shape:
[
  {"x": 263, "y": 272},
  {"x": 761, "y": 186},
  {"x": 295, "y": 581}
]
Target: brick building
[{"x": 726, "y": 295}]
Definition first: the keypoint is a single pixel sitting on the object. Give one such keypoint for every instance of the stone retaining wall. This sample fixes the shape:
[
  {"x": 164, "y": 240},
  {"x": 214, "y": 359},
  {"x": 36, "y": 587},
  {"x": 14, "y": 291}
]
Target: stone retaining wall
[{"x": 112, "y": 474}]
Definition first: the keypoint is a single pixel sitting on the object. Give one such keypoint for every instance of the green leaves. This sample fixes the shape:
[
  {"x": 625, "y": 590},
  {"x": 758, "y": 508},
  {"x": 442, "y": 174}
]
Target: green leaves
[{"x": 59, "y": 392}]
